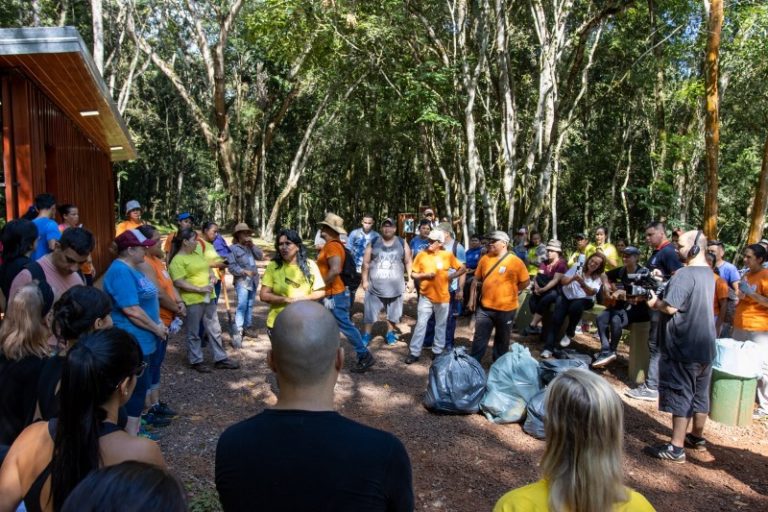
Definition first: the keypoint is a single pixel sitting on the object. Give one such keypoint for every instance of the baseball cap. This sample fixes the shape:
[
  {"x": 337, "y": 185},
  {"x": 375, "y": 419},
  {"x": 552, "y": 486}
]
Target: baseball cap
[
  {"x": 580, "y": 236},
  {"x": 428, "y": 211},
  {"x": 631, "y": 250},
  {"x": 498, "y": 235},
  {"x": 183, "y": 216},
  {"x": 133, "y": 238},
  {"x": 132, "y": 205},
  {"x": 437, "y": 236},
  {"x": 388, "y": 221}
]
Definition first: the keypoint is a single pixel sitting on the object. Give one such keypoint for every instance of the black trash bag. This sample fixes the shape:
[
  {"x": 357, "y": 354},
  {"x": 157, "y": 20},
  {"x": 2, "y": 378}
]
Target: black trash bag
[
  {"x": 456, "y": 383},
  {"x": 536, "y": 412},
  {"x": 551, "y": 368}
]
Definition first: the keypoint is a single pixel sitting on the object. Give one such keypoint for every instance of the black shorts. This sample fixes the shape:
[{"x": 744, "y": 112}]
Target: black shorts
[{"x": 683, "y": 387}]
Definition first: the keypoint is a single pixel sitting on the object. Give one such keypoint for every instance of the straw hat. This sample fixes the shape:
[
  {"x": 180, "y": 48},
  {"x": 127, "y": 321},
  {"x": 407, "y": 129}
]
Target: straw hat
[
  {"x": 334, "y": 222},
  {"x": 242, "y": 226},
  {"x": 555, "y": 245}
]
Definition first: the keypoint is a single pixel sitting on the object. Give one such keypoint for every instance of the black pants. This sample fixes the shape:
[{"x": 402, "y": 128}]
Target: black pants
[
  {"x": 566, "y": 308},
  {"x": 540, "y": 303},
  {"x": 486, "y": 320},
  {"x": 612, "y": 321}
]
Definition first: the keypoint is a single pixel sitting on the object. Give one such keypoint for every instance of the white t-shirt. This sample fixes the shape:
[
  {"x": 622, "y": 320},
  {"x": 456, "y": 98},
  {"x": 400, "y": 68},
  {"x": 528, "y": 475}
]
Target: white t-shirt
[{"x": 573, "y": 290}]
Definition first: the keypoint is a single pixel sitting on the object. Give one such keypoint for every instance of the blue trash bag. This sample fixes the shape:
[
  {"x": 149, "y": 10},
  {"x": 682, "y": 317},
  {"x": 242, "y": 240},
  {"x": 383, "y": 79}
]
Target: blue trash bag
[
  {"x": 512, "y": 381},
  {"x": 456, "y": 383},
  {"x": 551, "y": 368},
  {"x": 536, "y": 412}
]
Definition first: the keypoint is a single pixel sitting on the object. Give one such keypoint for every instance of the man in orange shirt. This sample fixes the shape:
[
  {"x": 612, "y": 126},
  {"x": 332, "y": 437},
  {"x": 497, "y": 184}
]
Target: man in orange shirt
[
  {"x": 431, "y": 267},
  {"x": 330, "y": 261},
  {"x": 503, "y": 276}
]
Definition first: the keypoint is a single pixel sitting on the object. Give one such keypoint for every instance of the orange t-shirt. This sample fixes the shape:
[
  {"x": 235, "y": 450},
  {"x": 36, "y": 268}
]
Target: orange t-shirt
[
  {"x": 751, "y": 316},
  {"x": 126, "y": 225},
  {"x": 436, "y": 289},
  {"x": 721, "y": 292},
  {"x": 168, "y": 243},
  {"x": 500, "y": 288},
  {"x": 165, "y": 282},
  {"x": 332, "y": 248}
]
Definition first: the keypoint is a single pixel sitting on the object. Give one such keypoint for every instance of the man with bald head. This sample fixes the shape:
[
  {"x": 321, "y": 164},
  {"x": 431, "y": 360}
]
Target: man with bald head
[
  {"x": 687, "y": 341},
  {"x": 301, "y": 454}
]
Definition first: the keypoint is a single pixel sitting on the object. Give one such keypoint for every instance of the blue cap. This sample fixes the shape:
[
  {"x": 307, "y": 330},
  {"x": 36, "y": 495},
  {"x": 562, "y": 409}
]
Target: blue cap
[{"x": 183, "y": 216}]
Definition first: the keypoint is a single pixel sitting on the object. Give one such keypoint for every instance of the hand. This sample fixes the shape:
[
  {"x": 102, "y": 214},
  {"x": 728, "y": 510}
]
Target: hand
[
  {"x": 744, "y": 288},
  {"x": 409, "y": 285},
  {"x": 329, "y": 304},
  {"x": 206, "y": 289},
  {"x": 161, "y": 331},
  {"x": 653, "y": 300},
  {"x": 182, "y": 309},
  {"x": 459, "y": 295},
  {"x": 430, "y": 275},
  {"x": 364, "y": 285}
]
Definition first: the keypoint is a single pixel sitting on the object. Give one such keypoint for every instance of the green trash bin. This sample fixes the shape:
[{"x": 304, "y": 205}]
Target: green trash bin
[{"x": 732, "y": 399}]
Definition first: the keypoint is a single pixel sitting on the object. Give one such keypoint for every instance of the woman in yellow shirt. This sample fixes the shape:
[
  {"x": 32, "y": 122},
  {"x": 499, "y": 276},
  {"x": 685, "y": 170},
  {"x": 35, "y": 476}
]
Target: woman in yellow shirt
[
  {"x": 582, "y": 463},
  {"x": 602, "y": 245}
]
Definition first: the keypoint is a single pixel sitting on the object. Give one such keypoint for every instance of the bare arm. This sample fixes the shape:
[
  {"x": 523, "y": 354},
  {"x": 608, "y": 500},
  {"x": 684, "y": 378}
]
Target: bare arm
[
  {"x": 186, "y": 286},
  {"x": 366, "y": 264},
  {"x": 556, "y": 279},
  {"x": 139, "y": 318},
  {"x": 334, "y": 269},
  {"x": 408, "y": 262}
]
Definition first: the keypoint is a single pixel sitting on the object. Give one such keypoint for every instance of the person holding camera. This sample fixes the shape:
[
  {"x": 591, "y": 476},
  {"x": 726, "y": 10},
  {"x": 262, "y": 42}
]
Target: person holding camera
[
  {"x": 663, "y": 263},
  {"x": 624, "y": 307},
  {"x": 687, "y": 341}
]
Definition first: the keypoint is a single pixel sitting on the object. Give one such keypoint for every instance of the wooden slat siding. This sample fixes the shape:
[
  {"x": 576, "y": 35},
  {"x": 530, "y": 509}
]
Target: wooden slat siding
[
  {"x": 11, "y": 209},
  {"x": 80, "y": 172}
]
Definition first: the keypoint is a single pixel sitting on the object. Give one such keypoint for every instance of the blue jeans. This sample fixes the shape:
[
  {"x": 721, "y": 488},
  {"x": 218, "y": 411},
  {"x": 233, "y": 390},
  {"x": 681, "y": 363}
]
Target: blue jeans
[
  {"x": 135, "y": 404},
  {"x": 341, "y": 313},
  {"x": 454, "y": 310},
  {"x": 156, "y": 363},
  {"x": 244, "y": 311}
]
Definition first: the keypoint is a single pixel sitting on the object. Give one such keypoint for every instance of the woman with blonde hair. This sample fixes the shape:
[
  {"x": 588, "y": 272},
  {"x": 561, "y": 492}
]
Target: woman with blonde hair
[
  {"x": 23, "y": 350},
  {"x": 582, "y": 462}
]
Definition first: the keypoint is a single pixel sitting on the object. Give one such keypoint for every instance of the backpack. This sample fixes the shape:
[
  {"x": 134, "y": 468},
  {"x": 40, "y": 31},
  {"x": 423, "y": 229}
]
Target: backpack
[{"x": 348, "y": 274}]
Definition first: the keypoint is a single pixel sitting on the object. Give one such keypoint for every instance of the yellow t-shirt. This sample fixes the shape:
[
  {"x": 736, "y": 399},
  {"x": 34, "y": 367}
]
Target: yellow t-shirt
[
  {"x": 533, "y": 498},
  {"x": 289, "y": 281},
  {"x": 610, "y": 252},
  {"x": 436, "y": 289},
  {"x": 193, "y": 268},
  {"x": 751, "y": 316},
  {"x": 500, "y": 287}
]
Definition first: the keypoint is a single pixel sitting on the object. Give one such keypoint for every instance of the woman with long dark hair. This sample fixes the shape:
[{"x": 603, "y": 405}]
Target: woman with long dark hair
[
  {"x": 290, "y": 277},
  {"x": 50, "y": 458},
  {"x": 41, "y": 211},
  {"x": 80, "y": 310},
  {"x": 194, "y": 279},
  {"x": 19, "y": 240},
  {"x": 582, "y": 462}
]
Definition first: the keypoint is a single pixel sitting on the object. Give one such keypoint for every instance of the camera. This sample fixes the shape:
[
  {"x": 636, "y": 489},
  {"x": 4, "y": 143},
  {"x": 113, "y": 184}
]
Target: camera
[{"x": 643, "y": 283}]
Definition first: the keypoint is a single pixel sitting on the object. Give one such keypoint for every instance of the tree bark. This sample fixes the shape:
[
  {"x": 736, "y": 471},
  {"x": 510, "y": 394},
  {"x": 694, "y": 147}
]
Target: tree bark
[
  {"x": 98, "y": 35},
  {"x": 760, "y": 203},
  {"x": 712, "y": 125}
]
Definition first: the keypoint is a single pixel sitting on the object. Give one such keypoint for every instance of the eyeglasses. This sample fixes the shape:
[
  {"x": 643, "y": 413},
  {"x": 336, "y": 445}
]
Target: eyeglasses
[{"x": 285, "y": 244}]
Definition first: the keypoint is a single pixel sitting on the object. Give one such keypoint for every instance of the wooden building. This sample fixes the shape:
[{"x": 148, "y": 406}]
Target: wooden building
[{"x": 61, "y": 129}]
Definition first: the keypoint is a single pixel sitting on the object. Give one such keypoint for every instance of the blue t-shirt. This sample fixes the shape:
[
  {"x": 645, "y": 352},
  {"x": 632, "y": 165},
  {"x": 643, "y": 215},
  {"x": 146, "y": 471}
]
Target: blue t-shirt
[
  {"x": 357, "y": 242},
  {"x": 729, "y": 273},
  {"x": 47, "y": 229},
  {"x": 461, "y": 255},
  {"x": 473, "y": 256},
  {"x": 418, "y": 244},
  {"x": 129, "y": 287}
]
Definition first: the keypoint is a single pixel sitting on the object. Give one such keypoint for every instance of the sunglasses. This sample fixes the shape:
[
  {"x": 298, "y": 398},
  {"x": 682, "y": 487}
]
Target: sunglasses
[{"x": 139, "y": 371}]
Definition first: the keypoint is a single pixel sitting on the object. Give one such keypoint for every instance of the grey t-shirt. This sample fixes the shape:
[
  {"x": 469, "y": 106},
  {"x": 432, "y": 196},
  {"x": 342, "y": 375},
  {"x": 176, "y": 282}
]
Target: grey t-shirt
[
  {"x": 689, "y": 335},
  {"x": 386, "y": 271}
]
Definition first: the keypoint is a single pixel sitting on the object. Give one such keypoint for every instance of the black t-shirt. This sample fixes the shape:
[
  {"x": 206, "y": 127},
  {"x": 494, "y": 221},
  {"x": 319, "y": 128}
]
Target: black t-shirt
[
  {"x": 688, "y": 336},
  {"x": 665, "y": 259},
  {"x": 311, "y": 461},
  {"x": 18, "y": 395}
]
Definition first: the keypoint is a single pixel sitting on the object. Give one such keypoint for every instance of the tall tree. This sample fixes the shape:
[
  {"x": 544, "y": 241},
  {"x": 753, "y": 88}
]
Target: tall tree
[{"x": 712, "y": 126}]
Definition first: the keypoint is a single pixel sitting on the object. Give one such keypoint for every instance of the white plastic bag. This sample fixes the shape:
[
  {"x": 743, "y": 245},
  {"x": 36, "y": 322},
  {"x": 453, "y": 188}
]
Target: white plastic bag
[{"x": 743, "y": 359}]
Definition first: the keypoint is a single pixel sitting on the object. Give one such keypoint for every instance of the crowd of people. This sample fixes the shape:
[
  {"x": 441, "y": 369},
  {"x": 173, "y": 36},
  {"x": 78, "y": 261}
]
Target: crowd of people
[{"x": 81, "y": 365}]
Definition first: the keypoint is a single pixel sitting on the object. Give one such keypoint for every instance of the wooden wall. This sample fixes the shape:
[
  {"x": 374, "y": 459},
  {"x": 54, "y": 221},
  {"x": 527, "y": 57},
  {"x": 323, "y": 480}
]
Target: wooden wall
[{"x": 44, "y": 151}]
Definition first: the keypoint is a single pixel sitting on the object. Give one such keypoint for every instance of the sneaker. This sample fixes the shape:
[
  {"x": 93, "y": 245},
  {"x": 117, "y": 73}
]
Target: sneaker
[
  {"x": 643, "y": 392},
  {"x": 226, "y": 364},
  {"x": 162, "y": 409},
  {"x": 666, "y": 452},
  {"x": 759, "y": 414},
  {"x": 391, "y": 338},
  {"x": 153, "y": 420},
  {"x": 411, "y": 359},
  {"x": 200, "y": 367},
  {"x": 578, "y": 329},
  {"x": 366, "y": 339},
  {"x": 565, "y": 341},
  {"x": 363, "y": 363},
  {"x": 603, "y": 358},
  {"x": 146, "y": 434},
  {"x": 531, "y": 330},
  {"x": 546, "y": 354},
  {"x": 696, "y": 443},
  {"x": 250, "y": 332}
]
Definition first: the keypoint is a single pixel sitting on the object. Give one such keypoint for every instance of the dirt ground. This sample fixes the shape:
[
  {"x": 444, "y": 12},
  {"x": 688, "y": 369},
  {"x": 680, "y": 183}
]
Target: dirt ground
[{"x": 460, "y": 463}]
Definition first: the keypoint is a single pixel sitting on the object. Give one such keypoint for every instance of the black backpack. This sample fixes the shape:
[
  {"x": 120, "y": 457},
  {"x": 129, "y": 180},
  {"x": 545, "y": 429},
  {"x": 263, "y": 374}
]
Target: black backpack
[{"x": 349, "y": 275}]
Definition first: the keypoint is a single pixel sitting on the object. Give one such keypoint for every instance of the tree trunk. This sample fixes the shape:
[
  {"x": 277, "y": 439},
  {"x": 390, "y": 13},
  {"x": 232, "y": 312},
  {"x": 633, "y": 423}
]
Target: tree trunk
[
  {"x": 712, "y": 126},
  {"x": 760, "y": 202},
  {"x": 98, "y": 35},
  {"x": 658, "y": 89}
]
